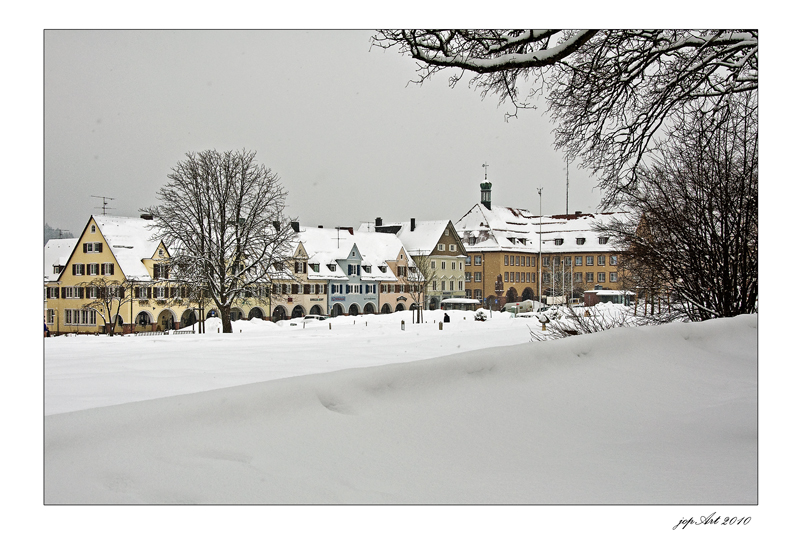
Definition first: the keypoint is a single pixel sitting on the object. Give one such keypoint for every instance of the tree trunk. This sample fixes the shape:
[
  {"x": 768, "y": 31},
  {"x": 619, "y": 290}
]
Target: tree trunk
[{"x": 225, "y": 311}]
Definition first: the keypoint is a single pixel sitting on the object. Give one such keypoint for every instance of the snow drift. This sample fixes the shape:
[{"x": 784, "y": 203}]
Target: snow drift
[{"x": 651, "y": 415}]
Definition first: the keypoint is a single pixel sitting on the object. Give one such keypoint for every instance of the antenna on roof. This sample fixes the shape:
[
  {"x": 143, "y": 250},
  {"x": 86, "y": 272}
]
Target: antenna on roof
[
  {"x": 105, "y": 203},
  {"x": 485, "y": 172}
]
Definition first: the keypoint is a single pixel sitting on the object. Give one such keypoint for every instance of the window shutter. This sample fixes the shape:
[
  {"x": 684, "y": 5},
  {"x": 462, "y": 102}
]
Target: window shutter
[
  {"x": 100, "y": 247},
  {"x": 80, "y": 292},
  {"x": 63, "y": 292},
  {"x": 149, "y": 293},
  {"x": 84, "y": 247}
]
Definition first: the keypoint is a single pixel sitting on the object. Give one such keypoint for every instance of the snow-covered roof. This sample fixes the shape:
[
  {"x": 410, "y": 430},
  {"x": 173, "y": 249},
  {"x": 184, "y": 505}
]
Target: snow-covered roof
[
  {"x": 56, "y": 253},
  {"x": 517, "y": 230},
  {"x": 419, "y": 242},
  {"x": 326, "y": 246},
  {"x": 130, "y": 240}
]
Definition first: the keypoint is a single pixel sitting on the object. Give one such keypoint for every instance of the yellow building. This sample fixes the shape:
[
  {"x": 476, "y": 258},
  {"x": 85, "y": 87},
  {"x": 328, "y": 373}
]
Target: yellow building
[
  {"x": 513, "y": 255},
  {"x": 115, "y": 273}
]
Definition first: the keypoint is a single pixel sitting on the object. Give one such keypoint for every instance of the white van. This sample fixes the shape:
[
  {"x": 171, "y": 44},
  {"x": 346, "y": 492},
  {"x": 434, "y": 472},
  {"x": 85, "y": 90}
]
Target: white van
[{"x": 522, "y": 307}]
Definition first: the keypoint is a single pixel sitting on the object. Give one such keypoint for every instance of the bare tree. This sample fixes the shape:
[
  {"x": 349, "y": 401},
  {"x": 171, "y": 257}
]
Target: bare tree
[
  {"x": 221, "y": 216},
  {"x": 419, "y": 277},
  {"x": 107, "y": 297},
  {"x": 611, "y": 92},
  {"x": 695, "y": 232}
]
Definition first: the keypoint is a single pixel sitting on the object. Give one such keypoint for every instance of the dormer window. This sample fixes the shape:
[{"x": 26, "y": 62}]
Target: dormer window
[
  {"x": 160, "y": 252},
  {"x": 314, "y": 267},
  {"x": 580, "y": 240},
  {"x": 558, "y": 242},
  {"x": 382, "y": 268},
  {"x": 367, "y": 269},
  {"x": 603, "y": 240},
  {"x": 522, "y": 241},
  {"x": 332, "y": 267}
]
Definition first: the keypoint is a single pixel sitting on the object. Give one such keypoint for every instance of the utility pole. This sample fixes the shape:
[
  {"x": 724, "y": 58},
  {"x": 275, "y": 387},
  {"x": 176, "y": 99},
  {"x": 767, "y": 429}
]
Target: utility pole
[
  {"x": 540, "y": 244},
  {"x": 567, "y": 212}
]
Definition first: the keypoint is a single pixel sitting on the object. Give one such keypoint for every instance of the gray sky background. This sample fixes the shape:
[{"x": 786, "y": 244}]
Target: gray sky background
[{"x": 350, "y": 138}]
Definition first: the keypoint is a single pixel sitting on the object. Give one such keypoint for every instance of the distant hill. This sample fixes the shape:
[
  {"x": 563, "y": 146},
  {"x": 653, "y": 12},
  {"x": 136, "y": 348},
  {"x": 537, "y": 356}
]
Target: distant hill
[{"x": 56, "y": 233}]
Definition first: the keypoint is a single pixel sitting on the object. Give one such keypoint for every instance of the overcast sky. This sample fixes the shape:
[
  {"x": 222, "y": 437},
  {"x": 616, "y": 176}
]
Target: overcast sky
[{"x": 350, "y": 138}]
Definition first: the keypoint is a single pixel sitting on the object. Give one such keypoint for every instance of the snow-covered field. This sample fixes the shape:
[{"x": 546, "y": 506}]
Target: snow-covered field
[{"x": 365, "y": 412}]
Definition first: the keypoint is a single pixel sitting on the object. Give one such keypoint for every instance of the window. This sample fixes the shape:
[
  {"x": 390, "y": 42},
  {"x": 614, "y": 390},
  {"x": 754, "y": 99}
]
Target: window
[
  {"x": 80, "y": 317},
  {"x": 478, "y": 277},
  {"x": 107, "y": 269},
  {"x": 453, "y": 248},
  {"x": 546, "y": 261},
  {"x": 51, "y": 316},
  {"x": 558, "y": 242},
  {"x": 161, "y": 270},
  {"x": 78, "y": 269},
  {"x": 528, "y": 261},
  {"x": 477, "y": 260},
  {"x": 580, "y": 240},
  {"x": 367, "y": 269},
  {"x": 505, "y": 277},
  {"x": 505, "y": 260},
  {"x": 589, "y": 260},
  {"x": 433, "y": 265},
  {"x": 440, "y": 247},
  {"x": 527, "y": 277},
  {"x": 93, "y": 228},
  {"x": 160, "y": 252},
  {"x": 612, "y": 260},
  {"x": 159, "y": 293},
  {"x": 94, "y": 269},
  {"x": 315, "y": 267},
  {"x": 568, "y": 261},
  {"x": 612, "y": 277},
  {"x": 300, "y": 267},
  {"x": 402, "y": 271},
  {"x": 434, "y": 284},
  {"x": 516, "y": 261},
  {"x": 601, "y": 260},
  {"x": 382, "y": 268},
  {"x": 444, "y": 265},
  {"x": 516, "y": 277},
  {"x": 92, "y": 292},
  {"x": 556, "y": 261},
  {"x": 603, "y": 240},
  {"x": 533, "y": 277},
  {"x": 472, "y": 241},
  {"x": 332, "y": 267},
  {"x": 468, "y": 277},
  {"x": 469, "y": 260},
  {"x": 533, "y": 262},
  {"x": 52, "y": 292},
  {"x": 447, "y": 233},
  {"x": 590, "y": 277},
  {"x": 452, "y": 284},
  {"x": 577, "y": 277},
  {"x": 453, "y": 265},
  {"x": 578, "y": 260},
  {"x": 460, "y": 265},
  {"x": 478, "y": 294},
  {"x": 92, "y": 247},
  {"x": 601, "y": 277},
  {"x": 57, "y": 269},
  {"x": 545, "y": 277},
  {"x": 468, "y": 294}
]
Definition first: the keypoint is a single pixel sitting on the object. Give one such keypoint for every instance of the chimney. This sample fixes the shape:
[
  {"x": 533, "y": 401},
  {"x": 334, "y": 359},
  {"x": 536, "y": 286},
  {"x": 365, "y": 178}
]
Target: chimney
[
  {"x": 296, "y": 226},
  {"x": 277, "y": 225},
  {"x": 578, "y": 213},
  {"x": 413, "y": 224},
  {"x": 378, "y": 222},
  {"x": 320, "y": 227},
  {"x": 147, "y": 216}
]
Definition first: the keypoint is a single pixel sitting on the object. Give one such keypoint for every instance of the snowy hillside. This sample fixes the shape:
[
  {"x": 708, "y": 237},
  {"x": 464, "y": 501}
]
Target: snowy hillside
[{"x": 634, "y": 415}]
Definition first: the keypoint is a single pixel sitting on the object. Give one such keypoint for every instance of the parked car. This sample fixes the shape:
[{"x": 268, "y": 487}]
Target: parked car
[{"x": 315, "y": 317}]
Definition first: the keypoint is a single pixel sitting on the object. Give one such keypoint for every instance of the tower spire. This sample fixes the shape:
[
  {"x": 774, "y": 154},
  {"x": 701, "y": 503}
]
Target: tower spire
[{"x": 486, "y": 188}]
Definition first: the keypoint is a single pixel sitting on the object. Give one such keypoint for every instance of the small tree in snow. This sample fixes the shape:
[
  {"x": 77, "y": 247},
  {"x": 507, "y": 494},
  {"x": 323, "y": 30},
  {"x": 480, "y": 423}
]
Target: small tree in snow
[{"x": 107, "y": 298}]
